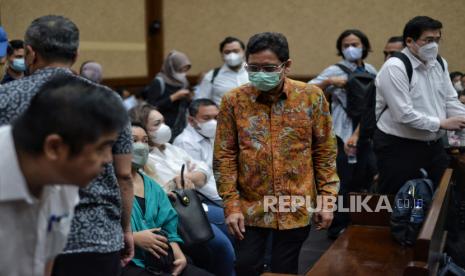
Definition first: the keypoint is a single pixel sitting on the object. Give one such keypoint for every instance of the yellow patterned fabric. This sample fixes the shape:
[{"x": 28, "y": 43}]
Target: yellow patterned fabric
[{"x": 276, "y": 148}]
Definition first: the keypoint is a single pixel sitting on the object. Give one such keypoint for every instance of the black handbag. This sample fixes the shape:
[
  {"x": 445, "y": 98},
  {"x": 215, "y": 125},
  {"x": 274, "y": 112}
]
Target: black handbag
[
  {"x": 193, "y": 225},
  {"x": 163, "y": 265}
]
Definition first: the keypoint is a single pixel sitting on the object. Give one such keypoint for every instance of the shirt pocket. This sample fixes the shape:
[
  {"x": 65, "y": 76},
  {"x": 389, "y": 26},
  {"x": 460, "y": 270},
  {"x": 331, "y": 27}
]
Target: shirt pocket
[{"x": 57, "y": 233}]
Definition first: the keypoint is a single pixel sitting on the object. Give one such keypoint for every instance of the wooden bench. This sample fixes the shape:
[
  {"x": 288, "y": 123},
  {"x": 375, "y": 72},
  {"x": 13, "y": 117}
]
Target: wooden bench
[{"x": 367, "y": 247}]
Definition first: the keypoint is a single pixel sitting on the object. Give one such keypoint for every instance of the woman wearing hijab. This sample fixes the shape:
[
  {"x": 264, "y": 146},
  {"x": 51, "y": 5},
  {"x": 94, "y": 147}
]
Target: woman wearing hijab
[{"x": 168, "y": 91}]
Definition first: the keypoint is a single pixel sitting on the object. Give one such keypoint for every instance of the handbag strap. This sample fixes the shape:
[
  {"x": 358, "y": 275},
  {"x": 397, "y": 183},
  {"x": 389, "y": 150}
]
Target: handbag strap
[{"x": 183, "y": 182}]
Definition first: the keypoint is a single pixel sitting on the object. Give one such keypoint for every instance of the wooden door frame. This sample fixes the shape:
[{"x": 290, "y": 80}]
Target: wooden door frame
[
  {"x": 155, "y": 53},
  {"x": 154, "y": 45}
]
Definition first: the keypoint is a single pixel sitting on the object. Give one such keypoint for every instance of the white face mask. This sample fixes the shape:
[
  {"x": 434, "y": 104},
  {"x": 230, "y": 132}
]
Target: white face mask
[
  {"x": 458, "y": 86},
  {"x": 162, "y": 135},
  {"x": 208, "y": 128},
  {"x": 352, "y": 53},
  {"x": 180, "y": 76},
  {"x": 233, "y": 59},
  {"x": 428, "y": 52}
]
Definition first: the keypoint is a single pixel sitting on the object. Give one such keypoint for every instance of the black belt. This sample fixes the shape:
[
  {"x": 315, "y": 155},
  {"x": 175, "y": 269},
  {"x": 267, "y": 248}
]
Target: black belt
[{"x": 407, "y": 140}]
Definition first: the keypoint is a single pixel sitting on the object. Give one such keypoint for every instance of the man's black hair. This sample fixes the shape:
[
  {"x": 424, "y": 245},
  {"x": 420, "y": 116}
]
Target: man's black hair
[
  {"x": 54, "y": 38},
  {"x": 196, "y": 104},
  {"x": 417, "y": 25},
  {"x": 394, "y": 39},
  {"x": 77, "y": 110},
  {"x": 363, "y": 38},
  {"x": 275, "y": 42},
  {"x": 231, "y": 39},
  {"x": 455, "y": 74},
  {"x": 14, "y": 45}
]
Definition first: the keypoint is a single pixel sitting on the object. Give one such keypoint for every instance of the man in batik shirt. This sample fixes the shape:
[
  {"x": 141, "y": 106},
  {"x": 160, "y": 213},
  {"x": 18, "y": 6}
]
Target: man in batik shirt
[{"x": 274, "y": 139}]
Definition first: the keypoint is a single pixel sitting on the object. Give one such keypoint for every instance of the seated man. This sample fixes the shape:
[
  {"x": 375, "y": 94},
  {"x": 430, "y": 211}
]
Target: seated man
[
  {"x": 64, "y": 137},
  {"x": 198, "y": 137}
]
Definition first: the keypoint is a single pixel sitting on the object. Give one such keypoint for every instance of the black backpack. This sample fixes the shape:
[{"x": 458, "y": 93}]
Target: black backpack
[
  {"x": 215, "y": 73},
  {"x": 368, "y": 120},
  {"x": 402, "y": 228},
  {"x": 358, "y": 87}
]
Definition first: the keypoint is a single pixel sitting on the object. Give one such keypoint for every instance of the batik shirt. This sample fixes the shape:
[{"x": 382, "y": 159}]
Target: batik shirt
[{"x": 276, "y": 148}]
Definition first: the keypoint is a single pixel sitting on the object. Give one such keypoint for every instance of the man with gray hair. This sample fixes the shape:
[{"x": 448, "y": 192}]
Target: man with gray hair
[{"x": 100, "y": 240}]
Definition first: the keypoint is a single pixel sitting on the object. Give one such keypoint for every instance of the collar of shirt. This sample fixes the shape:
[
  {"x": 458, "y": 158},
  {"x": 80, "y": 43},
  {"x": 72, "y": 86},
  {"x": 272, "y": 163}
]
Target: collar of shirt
[
  {"x": 264, "y": 97},
  {"x": 12, "y": 183},
  {"x": 226, "y": 68},
  {"x": 51, "y": 69},
  {"x": 416, "y": 62},
  {"x": 194, "y": 134}
]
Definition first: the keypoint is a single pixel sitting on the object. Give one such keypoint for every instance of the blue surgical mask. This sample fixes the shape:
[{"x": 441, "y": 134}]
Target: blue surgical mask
[
  {"x": 140, "y": 154},
  {"x": 18, "y": 64},
  {"x": 265, "y": 81},
  {"x": 352, "y": 53}
]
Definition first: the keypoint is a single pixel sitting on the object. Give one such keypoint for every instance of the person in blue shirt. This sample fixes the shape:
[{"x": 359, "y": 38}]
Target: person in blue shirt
[{"x": 356, "y": 164}]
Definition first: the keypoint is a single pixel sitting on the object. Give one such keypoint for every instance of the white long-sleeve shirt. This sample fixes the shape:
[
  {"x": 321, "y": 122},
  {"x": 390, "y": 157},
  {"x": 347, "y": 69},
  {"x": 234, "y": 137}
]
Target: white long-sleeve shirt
[
  {"x": 414, "y": 109},
  {"x": 200, "y": 149},
  {"x": 226, "y": 80},
  {"x": 167, "y": 165}
]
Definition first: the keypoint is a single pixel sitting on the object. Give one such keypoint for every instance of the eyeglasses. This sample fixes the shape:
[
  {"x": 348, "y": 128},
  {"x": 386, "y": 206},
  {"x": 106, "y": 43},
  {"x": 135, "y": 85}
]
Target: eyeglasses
[
  {"x": 429, "y": 40},
  {"x": 264, "y": 68}
]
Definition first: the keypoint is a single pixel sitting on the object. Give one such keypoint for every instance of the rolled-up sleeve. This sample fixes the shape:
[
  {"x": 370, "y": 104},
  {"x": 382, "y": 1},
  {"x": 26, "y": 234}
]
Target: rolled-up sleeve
[{"x": 225, "y": 160}]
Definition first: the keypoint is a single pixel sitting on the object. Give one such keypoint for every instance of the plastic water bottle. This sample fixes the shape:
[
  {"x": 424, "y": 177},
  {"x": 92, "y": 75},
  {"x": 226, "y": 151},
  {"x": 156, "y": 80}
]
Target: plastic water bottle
[
  {"x": 417, "y": 214},
  {"x": 352, "y": 155}
]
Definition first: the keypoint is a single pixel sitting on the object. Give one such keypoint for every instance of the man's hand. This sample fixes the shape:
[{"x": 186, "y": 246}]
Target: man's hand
[
  {"x": 154, "y": 243},
  {"x": 351, "y": 143},
  {"x": 235, "y": 223},
  {"x": 453, "y": 123},
  {"x": 323, "y": 219},
  {"x": 127, "y": 253},
  {"x": 337, "y": 81}
]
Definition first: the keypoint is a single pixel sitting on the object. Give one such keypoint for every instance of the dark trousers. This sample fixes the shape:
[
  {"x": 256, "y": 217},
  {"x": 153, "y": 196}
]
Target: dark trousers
[
  {"x": 285, "y": 250},
  {"x": 353, "y": 178},
  {"x": 132, "y": 270},
  {"x": 89, "y": 264},
  {"x": 400, "y": 160}
]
